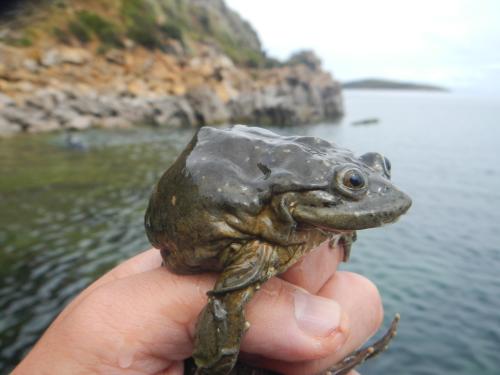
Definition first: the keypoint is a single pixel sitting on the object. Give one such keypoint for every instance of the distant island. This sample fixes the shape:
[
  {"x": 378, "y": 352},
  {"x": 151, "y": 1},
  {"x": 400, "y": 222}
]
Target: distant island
[{"x": 385, "y": 84}]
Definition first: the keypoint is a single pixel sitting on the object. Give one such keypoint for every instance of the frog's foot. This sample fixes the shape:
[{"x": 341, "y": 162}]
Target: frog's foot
[
  {"x": 358, "y": 357},
  {"x": 222, "y": 323},
  {"x": 344, "y": 238}
]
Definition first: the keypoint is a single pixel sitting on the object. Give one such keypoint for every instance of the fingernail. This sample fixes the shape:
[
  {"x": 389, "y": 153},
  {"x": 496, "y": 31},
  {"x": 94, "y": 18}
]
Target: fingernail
[{"x": 316, "y": 316}]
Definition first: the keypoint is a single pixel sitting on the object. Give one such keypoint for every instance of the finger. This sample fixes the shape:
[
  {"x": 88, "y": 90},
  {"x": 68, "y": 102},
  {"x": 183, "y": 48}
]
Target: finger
[
  {"x": 360, "y": 300},
  {"x": 315, "y": 268},
  {"x": 145, "y": 261},
  {"x": 145, "y": 322},
  {"x": 177, "y": 368}
]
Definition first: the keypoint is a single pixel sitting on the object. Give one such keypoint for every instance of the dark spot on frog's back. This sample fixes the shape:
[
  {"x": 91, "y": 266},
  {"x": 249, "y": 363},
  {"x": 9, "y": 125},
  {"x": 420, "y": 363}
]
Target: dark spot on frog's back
[{"x": 265, "y": 170}]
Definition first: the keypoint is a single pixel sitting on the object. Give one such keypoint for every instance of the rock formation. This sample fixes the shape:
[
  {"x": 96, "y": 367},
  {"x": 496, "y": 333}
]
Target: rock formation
[{"x": 79, "y": 75}]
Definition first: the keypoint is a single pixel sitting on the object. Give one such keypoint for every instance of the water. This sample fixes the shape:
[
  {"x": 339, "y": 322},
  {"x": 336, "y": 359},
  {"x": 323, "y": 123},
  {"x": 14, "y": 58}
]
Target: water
[{"x": 66, "y": 217}]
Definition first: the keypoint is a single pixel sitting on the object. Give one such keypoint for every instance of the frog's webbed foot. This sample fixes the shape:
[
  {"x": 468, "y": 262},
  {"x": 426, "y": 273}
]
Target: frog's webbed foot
[
  {"x": 358, "y": 357},
  {"x": 222, "y": 323}
]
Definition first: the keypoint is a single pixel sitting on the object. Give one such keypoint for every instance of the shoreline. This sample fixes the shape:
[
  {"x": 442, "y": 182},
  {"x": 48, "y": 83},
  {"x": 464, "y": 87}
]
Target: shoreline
[{"x": 73, "y": 88}]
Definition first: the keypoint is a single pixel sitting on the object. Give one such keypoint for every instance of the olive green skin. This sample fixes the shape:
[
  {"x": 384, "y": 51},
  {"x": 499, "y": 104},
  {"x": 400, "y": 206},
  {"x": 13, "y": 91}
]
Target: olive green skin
[{"x": 248, "y": 203}]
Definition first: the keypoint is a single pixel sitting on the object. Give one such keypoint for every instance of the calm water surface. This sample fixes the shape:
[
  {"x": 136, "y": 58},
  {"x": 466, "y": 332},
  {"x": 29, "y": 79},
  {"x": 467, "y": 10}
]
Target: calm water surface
[{"x": 66, "y": 217}]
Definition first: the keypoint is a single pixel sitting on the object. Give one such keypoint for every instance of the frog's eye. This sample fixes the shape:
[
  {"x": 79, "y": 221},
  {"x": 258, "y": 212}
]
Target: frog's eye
[{"x": 351, "y": 181}]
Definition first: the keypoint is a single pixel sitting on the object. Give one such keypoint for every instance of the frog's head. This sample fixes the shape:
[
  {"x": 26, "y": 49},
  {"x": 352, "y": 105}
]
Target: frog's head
[{"x": 360, "y": 195}]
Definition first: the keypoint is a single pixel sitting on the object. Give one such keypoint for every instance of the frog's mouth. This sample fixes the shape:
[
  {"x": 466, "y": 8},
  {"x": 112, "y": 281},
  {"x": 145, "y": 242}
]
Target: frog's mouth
[
  {"x": 350, "y": 215},
  {"x": 339, "y": 219}
]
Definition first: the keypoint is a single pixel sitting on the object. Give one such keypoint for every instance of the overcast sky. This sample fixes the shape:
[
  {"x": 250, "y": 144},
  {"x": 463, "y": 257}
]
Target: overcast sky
[{"x": 455, "y": 43}]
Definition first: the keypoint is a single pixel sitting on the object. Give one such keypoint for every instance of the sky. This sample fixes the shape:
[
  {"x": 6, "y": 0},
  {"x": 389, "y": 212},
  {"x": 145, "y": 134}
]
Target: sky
[{"x": 452, "y": 43}]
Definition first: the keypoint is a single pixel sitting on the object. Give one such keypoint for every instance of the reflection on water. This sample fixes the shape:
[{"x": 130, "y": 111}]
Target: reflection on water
[{"x": 66, "y": 216}]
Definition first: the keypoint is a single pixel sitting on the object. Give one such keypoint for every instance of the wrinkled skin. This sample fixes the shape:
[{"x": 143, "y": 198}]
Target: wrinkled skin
[{"x": 248, "y": 204}]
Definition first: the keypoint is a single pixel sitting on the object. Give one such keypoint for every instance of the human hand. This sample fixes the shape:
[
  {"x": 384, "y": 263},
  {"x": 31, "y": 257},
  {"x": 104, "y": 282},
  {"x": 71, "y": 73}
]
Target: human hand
[{"x": 139, "y": 318}]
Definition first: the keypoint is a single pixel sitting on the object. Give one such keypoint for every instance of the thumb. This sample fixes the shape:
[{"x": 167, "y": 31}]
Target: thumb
[{"x": 290, "y": 324}]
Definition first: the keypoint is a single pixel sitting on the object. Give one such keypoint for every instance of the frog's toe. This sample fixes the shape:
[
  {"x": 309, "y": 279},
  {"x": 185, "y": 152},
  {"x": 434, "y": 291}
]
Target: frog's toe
[{"x": 358, "y": 357}]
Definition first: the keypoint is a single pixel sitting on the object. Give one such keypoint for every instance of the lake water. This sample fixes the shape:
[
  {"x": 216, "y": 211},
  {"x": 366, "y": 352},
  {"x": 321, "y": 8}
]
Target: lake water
[{"x": 66, "y": 217}]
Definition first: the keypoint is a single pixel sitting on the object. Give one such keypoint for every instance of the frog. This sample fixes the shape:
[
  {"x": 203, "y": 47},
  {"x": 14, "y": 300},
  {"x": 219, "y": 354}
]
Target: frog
[{"x": 247, "y": 204}]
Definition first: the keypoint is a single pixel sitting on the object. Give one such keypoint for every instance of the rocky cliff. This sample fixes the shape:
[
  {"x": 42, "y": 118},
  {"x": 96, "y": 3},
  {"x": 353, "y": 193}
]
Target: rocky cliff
[{"x": 66, "y": 64}]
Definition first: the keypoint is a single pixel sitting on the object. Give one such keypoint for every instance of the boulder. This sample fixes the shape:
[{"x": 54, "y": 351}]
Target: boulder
[
  {"x": 64, "y": 114},
  {"x": 173, "y": 111},
  {"x": 307, "y": 58},
  {"x": 45, "y": 99},
  {"x": 24, "y": 117},
  {"x": 115, "y": 56},
  {"x": 269, "y": 106},
  {"x": 275, "y": 107},
  {"x": 25, "y": 86},
  {"x": 5, "y": 101},
  {"x": 30, "y": 119},
  {"x": 76, "y": 56},
  {"x": 80, "y": 122},
  {"x": 333, "y": 102},
  {"x": 298, "y": 95},
  {"x": 138, "y": 88},
  {"x": 8, "y": 128},
  {"x": 31, "y": 65},
  {"x": 208, "y": 107},
  {"x": 43, "y": 125},
  {"x": 67, "y": 55},
  {"x": 138, "y": 111},
  {"x": 173, "y": 47},
  {"x": 113, "y": 122},
  {"x": 11, "y": 57},
  {"x": 50, "y": 58},
  {"x": 88, "y": 105}
]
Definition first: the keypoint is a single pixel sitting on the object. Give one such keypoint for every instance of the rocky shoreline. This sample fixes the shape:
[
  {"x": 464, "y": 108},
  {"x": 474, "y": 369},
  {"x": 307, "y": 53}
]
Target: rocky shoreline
[{"x": 72, "y": 88}]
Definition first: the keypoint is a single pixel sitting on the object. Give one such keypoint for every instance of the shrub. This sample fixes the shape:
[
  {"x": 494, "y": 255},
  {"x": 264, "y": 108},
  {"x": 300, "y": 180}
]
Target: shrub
[
  {"x": 271, "y": 62},
  {"x": 79, "y": 31},
  {"x": 205, "y": 22},
  {"x": 103, "y": 29},
  {"x": 143, "y": 37},
  {"x": 61, "y": 35},
  {"x": 173, "y": 32},
  {"x": 24, "y": 41},
  {"x": 141, "y": 23}
]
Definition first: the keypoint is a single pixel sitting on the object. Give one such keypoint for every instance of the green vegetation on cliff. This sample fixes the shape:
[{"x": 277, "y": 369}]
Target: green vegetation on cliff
[{"x": 150, "y": 23}]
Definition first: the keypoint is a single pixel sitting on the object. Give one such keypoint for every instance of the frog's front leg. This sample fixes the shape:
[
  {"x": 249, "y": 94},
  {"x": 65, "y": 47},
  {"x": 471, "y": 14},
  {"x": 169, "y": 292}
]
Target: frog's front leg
[
  {"x": 359, "y": 356},
  {"x": 222, "y": 323}
]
